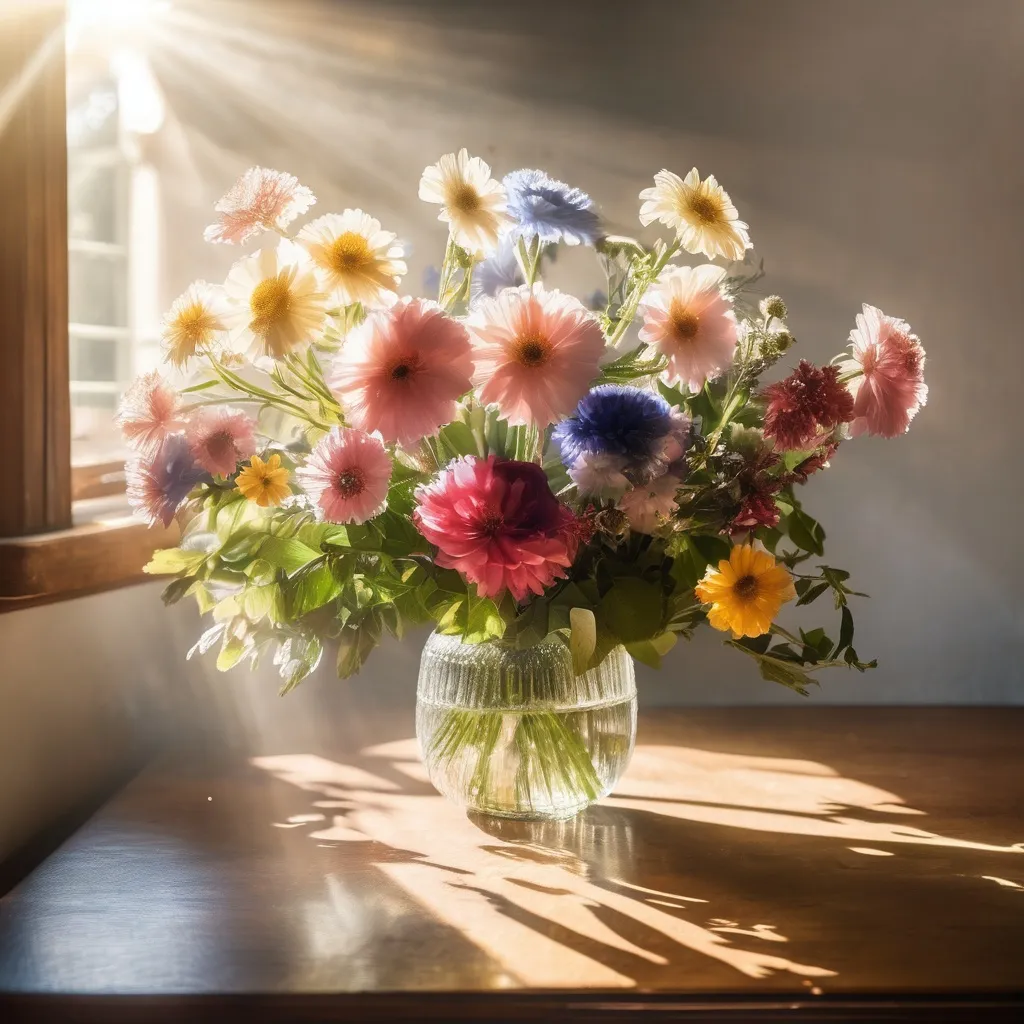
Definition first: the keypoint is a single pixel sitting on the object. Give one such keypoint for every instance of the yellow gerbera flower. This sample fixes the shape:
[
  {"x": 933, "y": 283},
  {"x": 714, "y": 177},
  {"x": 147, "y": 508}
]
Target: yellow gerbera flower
[
  {"x": 266, "y": 483},
  {"x": 746, "y": 591},
  {"x": 700, "y": 212}
]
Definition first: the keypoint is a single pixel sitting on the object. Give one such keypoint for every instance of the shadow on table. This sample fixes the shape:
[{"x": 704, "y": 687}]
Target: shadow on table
[{"x": 597, "y": 900}]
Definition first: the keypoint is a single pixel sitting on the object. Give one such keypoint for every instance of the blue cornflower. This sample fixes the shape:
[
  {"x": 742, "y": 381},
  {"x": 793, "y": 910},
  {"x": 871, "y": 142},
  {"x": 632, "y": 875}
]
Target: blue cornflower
[
  {"x": 550, "y": 210},
  {"x": 616, "y": 420},
  {"x": 499, "y": 271}
]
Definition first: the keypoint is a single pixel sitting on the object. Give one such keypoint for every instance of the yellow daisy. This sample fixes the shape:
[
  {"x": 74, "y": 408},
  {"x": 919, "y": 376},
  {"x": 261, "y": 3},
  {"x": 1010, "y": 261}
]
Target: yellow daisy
[
  {"x": 700, "y": 212},
  {"x": 194, "y": 322},
  {"x": 746, "y": 591},
  {"x": 266, "y": 483},
  {"x": 355, "y": 260},
  {"x": 472, "y": 202},
  {"x": 276, "y": 303}
]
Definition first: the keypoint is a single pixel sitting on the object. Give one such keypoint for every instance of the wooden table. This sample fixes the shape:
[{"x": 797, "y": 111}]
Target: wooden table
[{"x": 811, "y": 863}]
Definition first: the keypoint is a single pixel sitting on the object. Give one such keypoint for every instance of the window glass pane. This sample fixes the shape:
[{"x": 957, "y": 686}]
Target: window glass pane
[
  {"x": 92, "y": 201},
  {"x": 93, "y": 359},
  {"x": 96, "y": 289},
  {"x": 93, "y": 117}
]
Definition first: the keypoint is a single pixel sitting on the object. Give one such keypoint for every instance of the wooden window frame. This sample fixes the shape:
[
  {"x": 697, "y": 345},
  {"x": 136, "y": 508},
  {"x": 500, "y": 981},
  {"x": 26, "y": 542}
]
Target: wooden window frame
[{"x": 43, "y": 555}]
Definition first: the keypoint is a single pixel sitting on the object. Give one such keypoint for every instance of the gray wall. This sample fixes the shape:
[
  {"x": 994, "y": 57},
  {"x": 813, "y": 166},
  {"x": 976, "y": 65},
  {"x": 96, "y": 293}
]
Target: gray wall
[{"x": 874, "y": 148}]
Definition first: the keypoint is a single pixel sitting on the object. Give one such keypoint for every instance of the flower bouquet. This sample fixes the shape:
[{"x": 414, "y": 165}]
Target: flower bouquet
[{"x": 556, "y": 494}]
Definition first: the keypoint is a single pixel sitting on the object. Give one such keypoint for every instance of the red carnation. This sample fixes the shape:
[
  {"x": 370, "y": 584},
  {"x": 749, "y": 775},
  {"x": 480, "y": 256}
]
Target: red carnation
[
  {"x": 808, "y": 403},
  {"x": 759, "y": 509}
]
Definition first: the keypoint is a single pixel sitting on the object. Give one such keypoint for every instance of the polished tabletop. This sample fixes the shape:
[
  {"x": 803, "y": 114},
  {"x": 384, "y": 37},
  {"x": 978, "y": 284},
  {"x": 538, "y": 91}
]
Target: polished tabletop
[{"x": 750, "y": 860}]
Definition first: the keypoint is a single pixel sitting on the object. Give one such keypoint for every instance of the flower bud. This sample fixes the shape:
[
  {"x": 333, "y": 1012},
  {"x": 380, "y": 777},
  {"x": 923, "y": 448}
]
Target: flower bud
[
  {"x": 783, "y": 341},
  {"x": 773, "y": 308}
]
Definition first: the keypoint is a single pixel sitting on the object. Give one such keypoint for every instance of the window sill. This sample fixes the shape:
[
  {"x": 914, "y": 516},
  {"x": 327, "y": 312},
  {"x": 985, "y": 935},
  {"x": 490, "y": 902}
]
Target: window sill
[{"x": 86, "y": 559}]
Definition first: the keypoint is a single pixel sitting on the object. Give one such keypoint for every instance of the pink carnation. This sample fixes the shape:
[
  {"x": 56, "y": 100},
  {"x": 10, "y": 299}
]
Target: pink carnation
[
  {"x": 347, "y": 476},
  {"x": 890, "y": 387},
  {"x": 497, "y": 522},
  {"x": 402, "y": 371},
  {"x": 220, "y": 438},
  {"x": 259, "y": 200},
  {"x": 536, "y": 353},
  {"x": 648, "y": 507},
  {"x": 149, "y": 412}
]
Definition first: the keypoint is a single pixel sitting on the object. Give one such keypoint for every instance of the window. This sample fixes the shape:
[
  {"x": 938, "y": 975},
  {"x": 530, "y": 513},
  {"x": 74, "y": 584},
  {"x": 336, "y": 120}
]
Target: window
[{"x": 78, "y": 194}]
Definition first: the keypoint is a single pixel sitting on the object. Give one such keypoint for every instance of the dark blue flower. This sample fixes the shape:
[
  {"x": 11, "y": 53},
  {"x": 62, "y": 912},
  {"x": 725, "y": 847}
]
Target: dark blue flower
[
  {"x": 499, "y": 271},
  {"x": 616, "y": 420},
  {"x": 550, "y": 210}
]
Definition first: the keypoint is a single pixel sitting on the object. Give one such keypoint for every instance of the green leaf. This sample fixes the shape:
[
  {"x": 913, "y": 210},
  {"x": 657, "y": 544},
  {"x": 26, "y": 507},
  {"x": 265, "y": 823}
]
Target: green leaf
[
  {"x": 258, "y": 602},
  {"x": 177, "y": 589},
  {"x": 314, "y": 588},
  {"x": 583, "y": 638},
  {"x": 483, "y": 620},
  {"x": 650, "y": 652},
  {"x": 355, "y": 645},
  {"x": 806, "y": 532},
  {"x": 457, "y": 439},
  {"x": 230, "y": 654},
  {"x": 810, "y": 593},
  {"x": 633, "y": 609},
  {"x": 845, "y": 632},
  {"x": 171, "y": 561},
  {"x": 289, "y": 554}
]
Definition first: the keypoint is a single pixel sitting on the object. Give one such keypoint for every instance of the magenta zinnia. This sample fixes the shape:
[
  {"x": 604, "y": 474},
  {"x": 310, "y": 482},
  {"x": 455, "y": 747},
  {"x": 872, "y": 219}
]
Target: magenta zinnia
[
  {"x": 347, "y": 476},
  {"x": 402, "y": 371},
  {"x": 497, "y": 523},
  {"x": 805, "y": 406},
  {"x": 889, "y": 386}
]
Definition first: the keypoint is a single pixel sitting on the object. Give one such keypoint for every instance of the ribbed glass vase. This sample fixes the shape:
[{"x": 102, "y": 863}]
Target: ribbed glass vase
[{"x": 516, "y": 733}]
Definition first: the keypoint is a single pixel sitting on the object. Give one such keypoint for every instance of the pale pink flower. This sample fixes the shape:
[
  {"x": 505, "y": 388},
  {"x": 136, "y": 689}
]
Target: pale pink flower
[
  {"x": 220, "y": 438},
  {"x": 402, "y": 371},
  {"x": 347, "y": 476},
  {"x": 690, "y": 322},
  {"x": 889, "y": 362},
  {"x": 149, "y": 411},
  {"x": 536, "y": 353},
  {"x": 648, "y": 506},
  {"x": 261, "y": 199},
  {"x": 497, "y": 523}
]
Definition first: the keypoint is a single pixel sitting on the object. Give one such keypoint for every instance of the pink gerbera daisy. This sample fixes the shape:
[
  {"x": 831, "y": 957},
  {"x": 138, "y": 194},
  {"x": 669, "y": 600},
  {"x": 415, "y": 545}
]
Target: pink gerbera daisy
[
  {"x": 220, "y": 438},
  {"x": 690, "y": 322},
  {"x": 889, "y": 386},
  {"x": 402, "y": 370},
  {"x": 149, "y": 411},
  {"x": 347, "y": 476},
  {"x": 536, "y": 353},
  {"x": 261, "y": 199},
  {"x": 497, "y": 522}
]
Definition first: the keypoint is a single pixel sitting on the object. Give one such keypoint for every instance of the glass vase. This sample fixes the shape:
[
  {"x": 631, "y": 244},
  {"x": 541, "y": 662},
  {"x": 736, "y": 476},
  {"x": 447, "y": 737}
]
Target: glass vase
[{"x": 516, "y": 733}]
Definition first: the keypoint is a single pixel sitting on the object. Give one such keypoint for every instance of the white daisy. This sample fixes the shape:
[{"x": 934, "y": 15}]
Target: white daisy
[
  {"x": 472, "y": 202},
  {"x": 700, "y": 212},
  {"x": 277, "y": 305},
  {"x": 194, "y": 323},
  {"x": 355, "y": 260}
]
